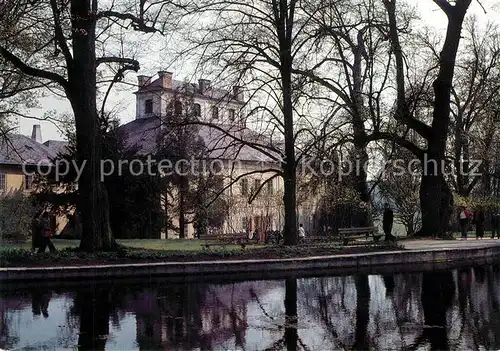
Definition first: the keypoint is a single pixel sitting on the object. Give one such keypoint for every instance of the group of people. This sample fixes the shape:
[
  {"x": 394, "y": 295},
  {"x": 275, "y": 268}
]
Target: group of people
[
  {"x": 478, "y": 218},
  {"x": 41, "y": 232}
]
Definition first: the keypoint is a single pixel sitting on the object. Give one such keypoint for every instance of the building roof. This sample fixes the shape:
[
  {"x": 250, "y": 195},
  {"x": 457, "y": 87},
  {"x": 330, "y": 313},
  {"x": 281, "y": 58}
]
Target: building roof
[
  {"x": 19, "y": 149},
  {"x": 57, "y": 146},
  {"x": 142, "y": 135},
  {"x": 189, "y": 88}
]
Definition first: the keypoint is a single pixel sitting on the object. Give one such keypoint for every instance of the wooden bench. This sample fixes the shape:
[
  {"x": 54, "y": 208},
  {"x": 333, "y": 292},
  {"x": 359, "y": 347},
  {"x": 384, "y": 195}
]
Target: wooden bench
[
  {"x": 348, "y": 233},
  {"x": 225, "y": 239}
]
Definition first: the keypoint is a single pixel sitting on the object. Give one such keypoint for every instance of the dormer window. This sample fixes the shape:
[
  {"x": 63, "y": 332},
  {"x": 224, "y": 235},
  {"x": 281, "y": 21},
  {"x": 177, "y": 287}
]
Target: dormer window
[
  {"x": 215, "y": 112},
  {"x": 231, "y": 114},
  {"x": 197, "y": 110},
  {"x": 148, "y": 106}
]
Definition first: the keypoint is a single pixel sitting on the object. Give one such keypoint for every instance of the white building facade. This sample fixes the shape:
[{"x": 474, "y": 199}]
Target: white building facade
[{"x": 157, "y": 98}]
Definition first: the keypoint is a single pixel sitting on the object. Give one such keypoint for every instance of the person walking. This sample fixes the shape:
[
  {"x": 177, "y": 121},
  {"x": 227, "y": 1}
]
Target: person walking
[
  {"x": 47, "y": 234},
  {"x": 464, "y": 217},
  {"x": 302, "y": 232},
  {"x": 495, "y": 223},
  {"x": 387, "y": 222},
  {"x": 479, "y": 222}
]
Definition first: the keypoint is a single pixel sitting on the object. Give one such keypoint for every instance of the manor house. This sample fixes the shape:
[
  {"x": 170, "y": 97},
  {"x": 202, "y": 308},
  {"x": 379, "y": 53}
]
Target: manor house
[{"x": 225, "y": 134}]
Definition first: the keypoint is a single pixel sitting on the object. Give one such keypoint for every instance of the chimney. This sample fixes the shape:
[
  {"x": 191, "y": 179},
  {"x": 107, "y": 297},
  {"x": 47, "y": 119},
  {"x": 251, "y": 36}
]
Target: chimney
[
  {"x": 204, "y": 85},
  {"x": 165, "y": 79},
  {"x": 238, "y": 93},
  {"x": 36, "y": 134},
  {"x": 143, "y": 80}
]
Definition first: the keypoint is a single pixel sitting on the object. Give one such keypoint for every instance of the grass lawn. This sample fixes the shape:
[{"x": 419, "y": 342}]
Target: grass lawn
[
  {"x": 148, "y": 244},
  {"x": 175, "y": 250}
]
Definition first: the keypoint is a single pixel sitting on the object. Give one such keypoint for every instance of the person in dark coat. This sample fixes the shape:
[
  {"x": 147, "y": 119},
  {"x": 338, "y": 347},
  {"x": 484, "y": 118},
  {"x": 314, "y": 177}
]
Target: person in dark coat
[
  {"x": 387, "y": 222},
  {"x": 495, "y": 223},
  {"x": 478, "y": 221},
  {"x": 47, "y": 233}
]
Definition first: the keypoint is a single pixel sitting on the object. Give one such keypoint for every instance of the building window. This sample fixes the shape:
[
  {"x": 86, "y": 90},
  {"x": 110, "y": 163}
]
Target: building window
[
  {"x": 3, "y": 183},
  {"x": 231, "y": 113},
  {"x": 28, "y": 182},
  {"x": 270, "y": 187},
  {"x": 215, "y": 112},
  {"x": 149, "y": 106},
  {"x": 244, "y": 186},
  {"x": 197, "y": 110}
]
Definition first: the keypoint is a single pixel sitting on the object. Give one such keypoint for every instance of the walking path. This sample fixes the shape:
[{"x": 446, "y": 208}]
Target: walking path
[
  {"x": 470, "y": 243},
  {"x": 417, "y": 255}
]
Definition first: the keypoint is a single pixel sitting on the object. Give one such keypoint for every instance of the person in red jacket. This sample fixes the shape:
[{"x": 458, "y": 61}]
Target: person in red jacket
[{"x": 464, "y": 218}]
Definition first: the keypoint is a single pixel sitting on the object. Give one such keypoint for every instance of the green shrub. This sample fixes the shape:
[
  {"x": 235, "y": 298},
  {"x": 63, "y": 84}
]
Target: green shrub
[{"x": 16, "y": 213}]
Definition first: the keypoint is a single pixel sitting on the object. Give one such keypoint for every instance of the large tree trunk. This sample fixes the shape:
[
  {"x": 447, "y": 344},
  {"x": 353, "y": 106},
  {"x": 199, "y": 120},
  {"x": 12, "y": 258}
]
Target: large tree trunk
[
  {"x": 361, "y": 174},
  {"x": 436, "y": 203},
  {"x": 182, "y": 206},
  {"x": 289, "y": 165},
  {"x": 461, "y": 155},
  {"x": 93, "y": 201},
  {"x": 290, "y": 200},
  {"x": 358, "y": 118},
  {"x": 436, "y": 199}
]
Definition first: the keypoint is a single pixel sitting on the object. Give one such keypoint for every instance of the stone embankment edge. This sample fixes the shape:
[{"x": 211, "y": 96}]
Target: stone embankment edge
[{"x": 207, "y": 268}]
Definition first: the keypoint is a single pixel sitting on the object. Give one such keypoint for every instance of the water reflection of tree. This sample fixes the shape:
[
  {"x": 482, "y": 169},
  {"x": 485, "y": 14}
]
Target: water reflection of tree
[
  {"x": 291, "y": 335},
  {"x": 93, "y": 305},
  {"x": 237, "y": 315},
  {"x": 329, "y": 302},
  {"x": 290, "y": 339},
  {"x": 478, "y": 309},
  {"x": 437, "y": 297},
  {"x": 7, "y": 339},
  {"x": 402, "y": 297},
  {"x": 362, "y": 312}
]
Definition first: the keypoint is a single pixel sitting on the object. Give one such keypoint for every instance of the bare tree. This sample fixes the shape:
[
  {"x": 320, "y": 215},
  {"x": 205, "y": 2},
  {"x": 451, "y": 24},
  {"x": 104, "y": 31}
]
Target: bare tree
[
  {"x": 435, "y": 196},
  {"x": 255, "y": 44},
  {"x": 475, "y": 98},
  {"x": 65, "y": 48},
  {"x": 352, "y": 66}
]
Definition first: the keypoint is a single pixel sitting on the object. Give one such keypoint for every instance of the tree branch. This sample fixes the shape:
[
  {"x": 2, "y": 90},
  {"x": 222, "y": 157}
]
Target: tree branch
[
  {"x": 59, "y": 35},
  {"x": 114, "y": 59},
  {"x": 31, "y": 71},
  {"x": 414, "y": 149},
  {"x": 137, "y": 23},
  {"x": 445, "y": 6}
]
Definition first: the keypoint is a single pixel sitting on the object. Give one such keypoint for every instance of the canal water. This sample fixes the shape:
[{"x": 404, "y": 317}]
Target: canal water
[{"x": 453, "y": 309}]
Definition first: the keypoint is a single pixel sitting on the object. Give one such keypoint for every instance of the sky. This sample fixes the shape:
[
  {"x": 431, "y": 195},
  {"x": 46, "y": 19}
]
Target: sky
[{"x": 123, "y": 99}]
